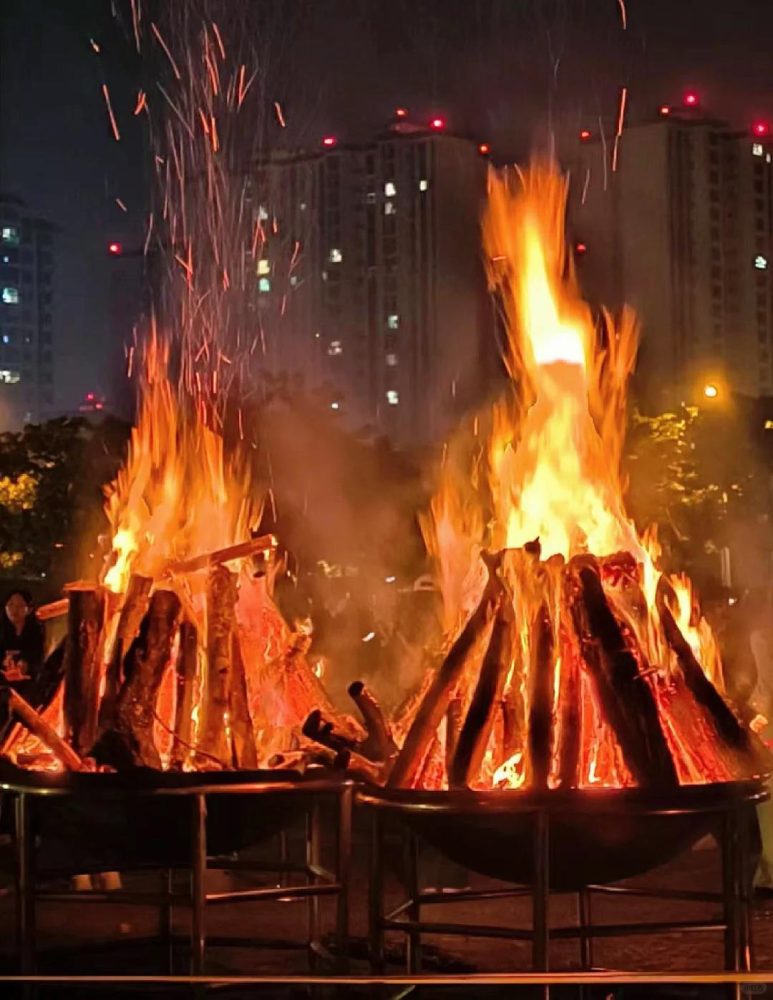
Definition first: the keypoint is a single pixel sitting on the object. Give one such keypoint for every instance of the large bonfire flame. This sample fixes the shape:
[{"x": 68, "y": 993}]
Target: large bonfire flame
[{"x": 576, "y": 662}]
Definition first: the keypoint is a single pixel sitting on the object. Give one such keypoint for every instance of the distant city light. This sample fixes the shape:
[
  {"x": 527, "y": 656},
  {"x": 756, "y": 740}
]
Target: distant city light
[
  {"x": 757, "y": 149},
  {"x": 401, "y": 112},
  {"x": 484, "y": 149},
  {"x": 368, "y": 636},
  {"x": 580, "y": 248},
  {"x": 390, "y": 579},
  {"x": 761, "y": 128},
  {"x": 691, "y": 99},
  {"x": 664, "y": 110},
  {"x": 89, "y": 397},
  {"x": 334, "y": 406},
  {"x": 437, "y": 124},
  {"x": 584, "y": 135},
  {"x": 329, "y": 141},
  {"x": 760, "y": 262},
  {"x": 710, "y": 391},
  {"x": 114, "y": 248}
]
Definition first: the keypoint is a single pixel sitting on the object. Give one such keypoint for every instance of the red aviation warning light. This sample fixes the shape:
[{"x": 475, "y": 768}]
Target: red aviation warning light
[
  {"x": 664, "y": 110},
  {"x": 691, "y": 99},
  {"x": 401, "y": 112},
  {"x": 584, "y": 135},
  {"x": 114, "y": 249},
  {"x": 761, "y": 129},
  {"x": 329, "y": 141},
  {"x": 580, "y": 249},
  {"x": 484, "y": 149},
  {"x": 438, "y": 124}
]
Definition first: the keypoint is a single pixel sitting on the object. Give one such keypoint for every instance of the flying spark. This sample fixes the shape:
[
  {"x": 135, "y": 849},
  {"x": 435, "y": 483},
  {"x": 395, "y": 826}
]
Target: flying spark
[{"x": 111, "y": 116}]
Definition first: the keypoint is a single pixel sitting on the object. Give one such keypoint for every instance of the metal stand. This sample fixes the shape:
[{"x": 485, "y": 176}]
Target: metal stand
[
  {"x": 316, "y": 880},
  {"x": 735, "y": 899}
]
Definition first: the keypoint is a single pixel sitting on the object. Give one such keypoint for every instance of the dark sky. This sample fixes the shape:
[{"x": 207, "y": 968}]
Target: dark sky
[{"x": 506, "y": 70}]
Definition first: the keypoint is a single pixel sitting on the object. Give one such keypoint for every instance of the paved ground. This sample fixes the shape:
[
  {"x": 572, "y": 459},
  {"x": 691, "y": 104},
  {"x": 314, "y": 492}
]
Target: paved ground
[{"x": 98, "y": 938}]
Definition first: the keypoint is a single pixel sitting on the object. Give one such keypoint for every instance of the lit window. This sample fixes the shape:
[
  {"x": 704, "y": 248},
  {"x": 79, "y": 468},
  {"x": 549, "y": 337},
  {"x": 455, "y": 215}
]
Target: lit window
[
  {"x": 264, "y": 285},
  {"x": 757, "y": 149},
  {"x": 391, "y": 360},
  {"x": 389, "y": 189},
  {"x": 423, "y": 185},
  {"x": 370, "y": 197},
  {"x": 11, "y": 296},
  {"x": 324, "y": 275},
  {"x": 293, "y": 280},
  {"x": 262, "y": 213},
  {"x": 10, "y": 234},
  {"x": 335, "y": 256},
  {"x": 389, "y": 208},
  {"x": 393, "y": 321},
  {"x": 6, "y": 339},
  {"x": 769, "y": 425},
  {"x": 303, "y": 206},
  {"x": 335, "y": 348},
  {"x": 9, "y": 377},
  {"x": 760, "y": 262},
  {"x": 264, "y": 266},
  {"x": 393, "y": 397},
  {"x": 335, "y": 405}
]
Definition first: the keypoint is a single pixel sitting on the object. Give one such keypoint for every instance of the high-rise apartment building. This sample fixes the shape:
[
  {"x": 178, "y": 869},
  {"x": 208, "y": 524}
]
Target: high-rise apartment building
[
  {"x": 26, "y": 322},
  {"x": 370, "y": 281},
  {"x": 681, "y": 230}
]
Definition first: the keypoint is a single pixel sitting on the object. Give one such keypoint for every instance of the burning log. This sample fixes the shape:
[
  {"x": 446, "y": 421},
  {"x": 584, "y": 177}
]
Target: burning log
[
  {"x": 212, "y": 559},
  {"x": 185, "y": 669},
  {"x": 541, "y": 699},
  {"x": 476, "y": 730},
  {"x": 435, "y": 703},
  {"x": 625, "y": 697},
  {"x": 56, "y": 609},
  {"x": 570, "y": 719},
  {"x": 128, "y": 742},
  {"x": 82, "y": 663},
  {"x": 221, "y": 618},
  {"x": 317, "y": 728},
  {"x": 133, "y": 611},
  {"x": 47, "y": 735},
  {"x": 360, "y": 767},
  {"x": 379, "y": 744},
  {"x": 245, "y": 754},
  {"x": 512, "y": 720},
  {"x": 726, "y": 724},
  {"x": 454, "y": 722}
]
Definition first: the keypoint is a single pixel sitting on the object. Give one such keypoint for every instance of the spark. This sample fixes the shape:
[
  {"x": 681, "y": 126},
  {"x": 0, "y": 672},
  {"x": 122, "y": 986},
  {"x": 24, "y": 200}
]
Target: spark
[
  {"x": 165, "y": 47},
  {"x": 279, "y": 115},
  {"x": 111, "y": 116},
  {"x": 94, "y": 45},
  {"x": 623, "y": 13},
  {"x": 585, "y": 186},
  {"x": 620, "y": 122},
  {"x": 216, "y": 33},
  {"x": 121, "y": 205},
  {"x": 142, "y": 102},
  {"x": 136, "y": 23}
]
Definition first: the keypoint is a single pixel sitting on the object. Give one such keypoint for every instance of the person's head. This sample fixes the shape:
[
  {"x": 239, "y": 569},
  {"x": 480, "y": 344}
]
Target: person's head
[{"x": 18, "y": 605}]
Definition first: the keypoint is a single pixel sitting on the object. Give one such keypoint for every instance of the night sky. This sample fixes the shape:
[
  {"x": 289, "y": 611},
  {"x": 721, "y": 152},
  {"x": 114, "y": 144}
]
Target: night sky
[{"x": 508, "y": 71}]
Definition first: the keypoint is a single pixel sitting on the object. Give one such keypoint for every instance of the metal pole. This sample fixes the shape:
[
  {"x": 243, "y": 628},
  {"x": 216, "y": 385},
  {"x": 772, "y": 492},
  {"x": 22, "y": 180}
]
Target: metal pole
[
  {"x": 345, "y": 798},
  {"x": 413, "y": 944},
  {"x": 585, "y": 920},
  {"x": 166, "y": 917},
  {"x": 25, "y": 885},
  {"x": 198, "y": 888},
  {"x": 729, "y": 890},
  {"x": 375, "y": 895},
  {"x": 744, "y": 890},
  {"x": 540, "y": 890},
  {"x": 312, "y": 858}
]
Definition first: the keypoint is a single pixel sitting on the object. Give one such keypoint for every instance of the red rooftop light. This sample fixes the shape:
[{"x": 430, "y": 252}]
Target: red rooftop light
[
  {"x": 329, "y": 141},
  {"x": 114, "y": 248},
  {"x": 438, "y": 124},
  {"x": 665, "y": 110},
  {"x": 691, "y": 99},
  {"x": 580, "y": 248},
  {"x": 584, "y": 135},
  {"x": 401, "y": 112},
  {"x": 761, "y": 128},
  {"x": 484, "y": 149}
]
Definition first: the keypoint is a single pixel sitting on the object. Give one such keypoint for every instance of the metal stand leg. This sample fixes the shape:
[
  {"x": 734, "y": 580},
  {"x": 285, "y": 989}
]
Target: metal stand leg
[
  {"x": 730, "y": 890},
  {"x": 745, "y": 876},
  {"x": 312, "y": 859},
  {"x": 25, "y": 885},
  {"x": 540, "y": 890},
  {"x": 198, "y": 889},
  {"x": 413, "y": 944},
  {"x": 165, "y": 918},
  {"x": 585, "y": 920},
  {"x": 343, "y": 862},
  {"x": 376, "y": 894}
]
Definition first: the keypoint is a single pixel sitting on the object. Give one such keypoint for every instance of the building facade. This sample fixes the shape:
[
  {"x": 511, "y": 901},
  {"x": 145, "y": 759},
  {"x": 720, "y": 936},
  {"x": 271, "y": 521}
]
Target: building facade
[
  {"x": 370, "y": 280},
  {"x": 26, "y": 314},
  {"x": 681, "y": 230}
]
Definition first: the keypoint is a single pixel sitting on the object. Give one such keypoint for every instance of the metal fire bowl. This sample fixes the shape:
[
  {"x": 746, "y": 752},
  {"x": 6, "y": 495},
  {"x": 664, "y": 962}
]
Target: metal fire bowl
[
  {"x": 94, "y": 821},
  {"x": 595, "y": 835}
]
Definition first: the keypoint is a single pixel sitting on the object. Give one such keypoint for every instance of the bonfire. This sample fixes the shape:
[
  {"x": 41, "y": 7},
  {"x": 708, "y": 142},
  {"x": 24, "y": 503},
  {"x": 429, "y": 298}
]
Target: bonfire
[{"x": 572, "y": 660}]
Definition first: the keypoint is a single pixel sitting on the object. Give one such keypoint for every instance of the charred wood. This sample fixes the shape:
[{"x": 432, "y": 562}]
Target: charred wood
[
  {"x": 540, "y": 724},
  {"x": 245, "y": 754},
  {"x": 82, "y": 665},
  {"x": 185, "y": 671},
  {"x": 378, "y": 744},
  {"x": 454, "y": 720},
  {"x": 134, "y": 608},
  {"x": 221, "y": 619},
  {"x": 220, "y": 556},
  {"x": 47, "y": 735}
]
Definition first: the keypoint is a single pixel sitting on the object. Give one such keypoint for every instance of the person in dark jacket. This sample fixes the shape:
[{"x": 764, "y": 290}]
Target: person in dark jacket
[{"x": 21, "y": 644}]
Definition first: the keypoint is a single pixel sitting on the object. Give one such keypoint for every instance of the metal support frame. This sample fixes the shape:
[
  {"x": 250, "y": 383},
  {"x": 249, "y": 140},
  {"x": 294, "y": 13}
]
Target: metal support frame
[
  {"x": 317, "y": 880},
  {"x": 735, "y": 900}
]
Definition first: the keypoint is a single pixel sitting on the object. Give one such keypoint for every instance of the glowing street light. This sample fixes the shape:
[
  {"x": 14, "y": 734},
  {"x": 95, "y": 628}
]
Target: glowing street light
[{"x": 710, "y": 391}]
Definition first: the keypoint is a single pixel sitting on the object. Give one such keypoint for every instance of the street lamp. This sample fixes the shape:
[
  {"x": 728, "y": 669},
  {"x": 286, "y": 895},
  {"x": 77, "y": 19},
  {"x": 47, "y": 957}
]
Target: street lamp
[{"x": 710, "y": 391}]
